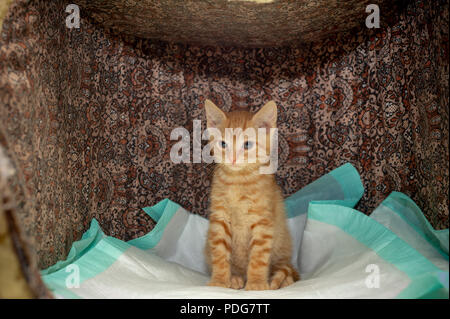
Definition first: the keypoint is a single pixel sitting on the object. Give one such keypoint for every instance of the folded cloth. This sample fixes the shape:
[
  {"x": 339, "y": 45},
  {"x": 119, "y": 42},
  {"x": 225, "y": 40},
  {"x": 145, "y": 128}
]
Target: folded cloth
[{"x": 339, "y": 252}]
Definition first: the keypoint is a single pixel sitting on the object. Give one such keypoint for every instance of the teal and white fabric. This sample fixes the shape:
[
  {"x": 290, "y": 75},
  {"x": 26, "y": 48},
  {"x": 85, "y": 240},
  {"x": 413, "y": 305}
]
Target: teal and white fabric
[{"x": 340, "y": 252}]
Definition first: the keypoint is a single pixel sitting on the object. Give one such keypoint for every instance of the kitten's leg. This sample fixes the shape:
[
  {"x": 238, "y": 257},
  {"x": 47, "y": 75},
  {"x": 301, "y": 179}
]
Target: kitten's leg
[
  {"x": 237, "y": 274},
  {"x": 219, "y": 239},
  {"x": 260, "y": 250},
  {"x": 283, "y": 275}
]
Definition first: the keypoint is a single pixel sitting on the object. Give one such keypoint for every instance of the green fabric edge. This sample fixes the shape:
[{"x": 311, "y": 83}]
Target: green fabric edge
[
  {"x": 387, "y": 245},
  {"x": 157, "y": 210},
  {"x": 89, "y": 239},
  {"x": 165, "y": 209},
  {"x": 94, "y": 245},
  {"x": 403, "y": 206},
  {"x": 429, "y": 286},
  {"x": 105, "y": 253},
  {"x": 347, "y": 175}
]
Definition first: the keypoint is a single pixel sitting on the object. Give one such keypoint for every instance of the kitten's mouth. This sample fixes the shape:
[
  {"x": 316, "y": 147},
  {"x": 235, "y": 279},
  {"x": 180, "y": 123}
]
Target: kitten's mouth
[
  {"x": 238, "y": 166},
  {"x": 235, "y": 166}
]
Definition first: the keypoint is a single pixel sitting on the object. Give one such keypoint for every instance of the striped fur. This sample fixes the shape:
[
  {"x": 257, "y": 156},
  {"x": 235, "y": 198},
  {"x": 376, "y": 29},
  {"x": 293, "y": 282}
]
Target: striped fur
[{"x": 248, "y": 242}]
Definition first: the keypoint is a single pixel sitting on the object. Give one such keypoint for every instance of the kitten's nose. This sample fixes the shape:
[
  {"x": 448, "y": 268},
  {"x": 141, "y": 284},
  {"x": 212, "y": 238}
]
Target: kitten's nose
[{"x": 233, "y": 158}]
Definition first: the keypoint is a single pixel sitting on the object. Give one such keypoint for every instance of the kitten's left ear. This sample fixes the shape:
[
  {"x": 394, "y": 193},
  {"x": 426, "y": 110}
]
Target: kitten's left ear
[
  {"x": 266, "y": 116},
  {"x": 214, "y": 115}
]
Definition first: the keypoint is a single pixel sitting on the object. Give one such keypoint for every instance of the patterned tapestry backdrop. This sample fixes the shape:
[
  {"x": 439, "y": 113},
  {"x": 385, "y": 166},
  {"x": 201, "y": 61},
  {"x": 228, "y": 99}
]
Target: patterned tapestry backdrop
[{"x": 86, "y": 116}]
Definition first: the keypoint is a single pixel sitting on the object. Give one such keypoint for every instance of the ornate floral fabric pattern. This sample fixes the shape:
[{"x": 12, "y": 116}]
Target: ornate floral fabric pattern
[{"x": 86, "y": 116}]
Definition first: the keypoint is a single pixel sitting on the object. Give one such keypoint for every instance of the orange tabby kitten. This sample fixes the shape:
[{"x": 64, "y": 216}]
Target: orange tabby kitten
[{"x": 248, "y": 240}]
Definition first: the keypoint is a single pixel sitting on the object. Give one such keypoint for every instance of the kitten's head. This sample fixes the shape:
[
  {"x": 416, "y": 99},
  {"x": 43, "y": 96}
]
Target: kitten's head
[{"x": 241, "y": 139}]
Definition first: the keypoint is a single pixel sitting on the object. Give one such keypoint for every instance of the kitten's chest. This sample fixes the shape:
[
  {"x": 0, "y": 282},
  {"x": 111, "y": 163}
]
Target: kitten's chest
[
  {"x": 238, "y": 207},
  {"x": 240, "y": 233},
  {"x": 235, "y": 198}
]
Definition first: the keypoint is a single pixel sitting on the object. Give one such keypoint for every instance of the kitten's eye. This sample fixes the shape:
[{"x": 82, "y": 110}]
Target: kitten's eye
[
  {"x": 222, "y": 144},
  {"x": 248, "y": 145}
]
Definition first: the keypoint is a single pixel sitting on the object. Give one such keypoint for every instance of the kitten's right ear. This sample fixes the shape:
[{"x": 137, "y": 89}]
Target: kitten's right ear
[{"x": 214, "y": 115}]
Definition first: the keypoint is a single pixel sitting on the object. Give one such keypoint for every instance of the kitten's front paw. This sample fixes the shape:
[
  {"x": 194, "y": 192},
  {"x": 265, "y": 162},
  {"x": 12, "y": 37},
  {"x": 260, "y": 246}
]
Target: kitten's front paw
[
  {"x": 218, "y": 283},
  {"x": 257, "y": 285},
  {"x": 237, "y": 282}
]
